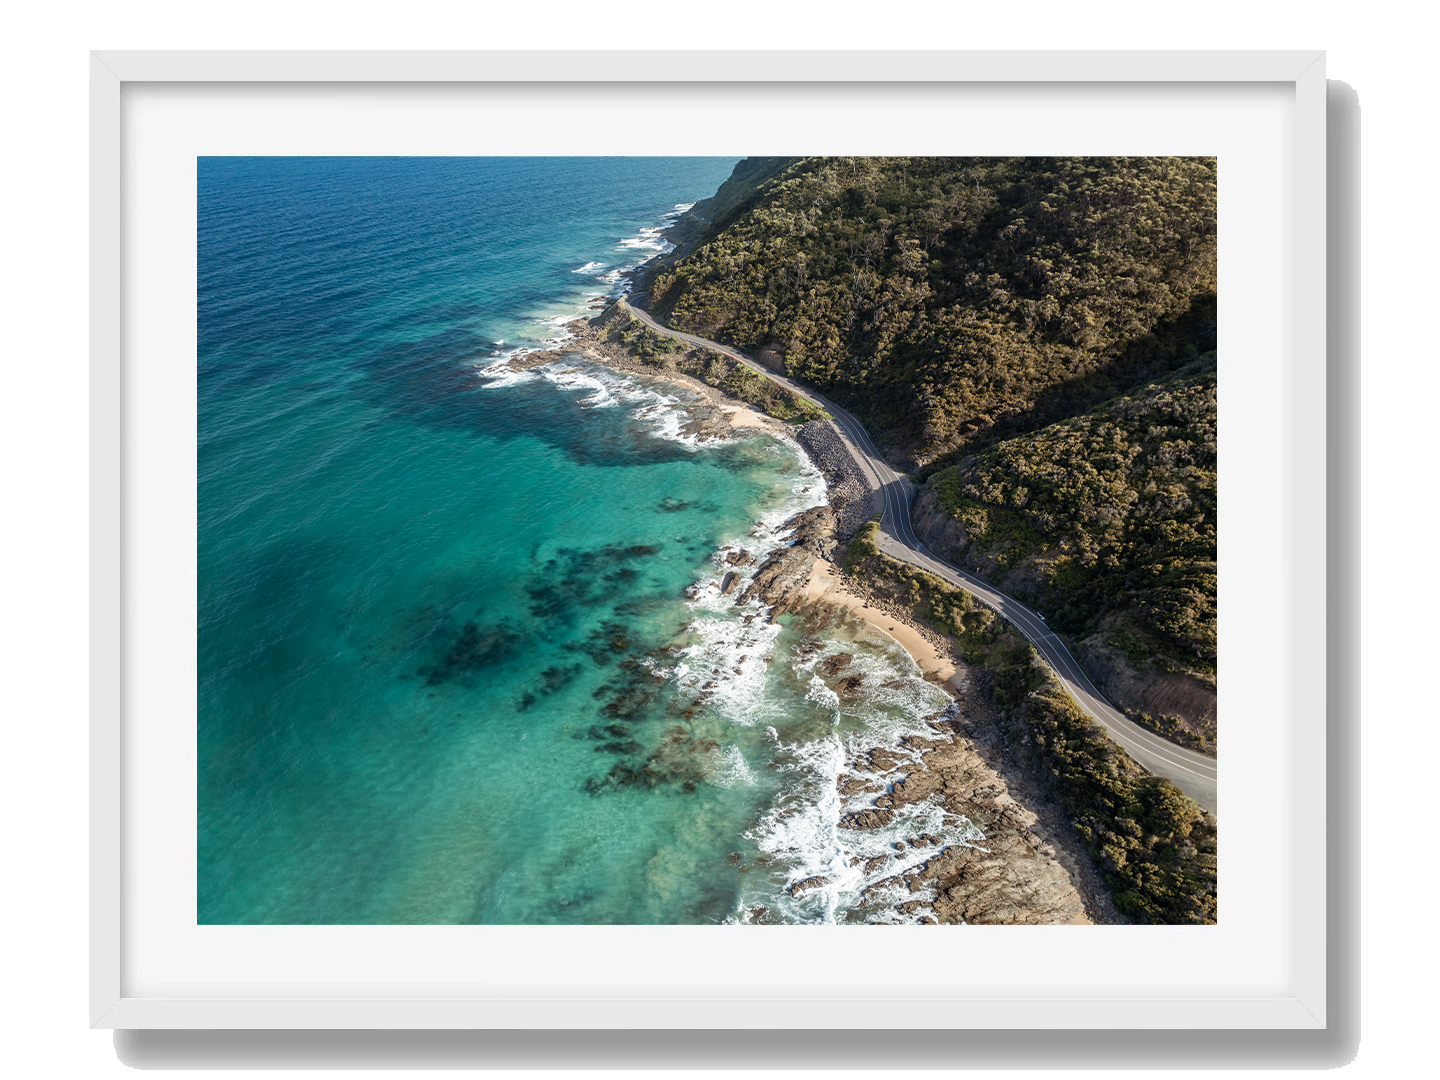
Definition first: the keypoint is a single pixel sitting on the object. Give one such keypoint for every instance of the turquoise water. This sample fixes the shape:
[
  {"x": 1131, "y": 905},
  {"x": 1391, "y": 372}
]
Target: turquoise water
[{"x": 448, "y": 668}]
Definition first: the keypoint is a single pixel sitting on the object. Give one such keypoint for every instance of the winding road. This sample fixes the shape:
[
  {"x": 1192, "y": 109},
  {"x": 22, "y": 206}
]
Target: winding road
[{"x": 1193, "y": 773}]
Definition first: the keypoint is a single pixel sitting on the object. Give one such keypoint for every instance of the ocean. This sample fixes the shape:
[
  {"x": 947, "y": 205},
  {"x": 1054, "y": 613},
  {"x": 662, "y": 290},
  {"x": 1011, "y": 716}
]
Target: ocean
[{"x": 460, "y": 658}]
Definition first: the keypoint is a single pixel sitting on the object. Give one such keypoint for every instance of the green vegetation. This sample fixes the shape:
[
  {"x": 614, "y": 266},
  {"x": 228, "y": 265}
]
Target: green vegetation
[
  {"x": 1114, "y": 512},
  {"x": 954, "y": 301},
  {"x": 1153, "y": 845},
  {"x": 1175, "y": 729},
  {"x": 861, "y": 548},
  {"x": 748, "y": 385},
  {"x": 640, "y": 341},
  {"x": 1037, "y": 334},
  {"x": 735, "y": 379}
]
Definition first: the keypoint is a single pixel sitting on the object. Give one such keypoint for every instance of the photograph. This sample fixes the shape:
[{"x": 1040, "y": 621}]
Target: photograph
[{"x": 708, "y": 541}]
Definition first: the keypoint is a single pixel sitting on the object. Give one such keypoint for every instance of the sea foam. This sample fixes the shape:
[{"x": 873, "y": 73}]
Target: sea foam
[{"x": 498, "y": 374}]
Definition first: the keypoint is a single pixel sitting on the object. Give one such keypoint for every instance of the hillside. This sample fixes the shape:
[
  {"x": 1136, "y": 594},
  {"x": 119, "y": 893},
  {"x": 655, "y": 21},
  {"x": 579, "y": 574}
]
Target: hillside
[
  {"x": 954, "y": 301},
  {"x": 1105, "y": 523}
]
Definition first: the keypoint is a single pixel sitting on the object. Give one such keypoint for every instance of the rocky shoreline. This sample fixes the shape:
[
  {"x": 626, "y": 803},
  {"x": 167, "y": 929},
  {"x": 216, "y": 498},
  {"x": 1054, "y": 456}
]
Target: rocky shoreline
[
  {"x": 1031, "y": 868},
  {"x": 716, "y": 415}
]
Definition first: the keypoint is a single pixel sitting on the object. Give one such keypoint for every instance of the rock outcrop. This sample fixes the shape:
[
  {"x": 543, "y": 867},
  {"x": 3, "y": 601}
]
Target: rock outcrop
[
  {"x": 780, "y": 581},
  {"x": 531, "y": 358},
  {"x": 867, "y": 819},
  {"x": 1017, "y": 874}
]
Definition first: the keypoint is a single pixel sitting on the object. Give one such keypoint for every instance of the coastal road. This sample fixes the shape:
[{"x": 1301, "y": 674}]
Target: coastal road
[{"x": 1192, "y": 773}]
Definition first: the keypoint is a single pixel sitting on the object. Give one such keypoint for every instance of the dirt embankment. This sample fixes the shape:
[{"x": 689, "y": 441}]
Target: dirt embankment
[{"x": 1177, "y": 705}]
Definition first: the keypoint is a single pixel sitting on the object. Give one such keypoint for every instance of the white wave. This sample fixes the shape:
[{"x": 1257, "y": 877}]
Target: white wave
[
  {"x": 665, "y": 419},
  {"x": 866, "y": 870},
  {"x": 724, "y": 665},
  {"x": 895, "y": 698},
  {"x": 499, "y": 374},
  {"x": 651, "y": 238},
  {"x": 588, "y": 267},
  {"x": 556, "y": 328},
  {"x": 663, "y": 414},
  {"x": 600, "y": 395},
  {"x": 821, "y": 694},
  {"x": 732, "y": 771},
  {"x": 801, "y": 831}
]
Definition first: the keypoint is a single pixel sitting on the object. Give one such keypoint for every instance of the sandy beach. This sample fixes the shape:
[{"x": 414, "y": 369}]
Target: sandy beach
[
  {"x": 828, "y": 586},
  {"x": 741, "y": 416}
]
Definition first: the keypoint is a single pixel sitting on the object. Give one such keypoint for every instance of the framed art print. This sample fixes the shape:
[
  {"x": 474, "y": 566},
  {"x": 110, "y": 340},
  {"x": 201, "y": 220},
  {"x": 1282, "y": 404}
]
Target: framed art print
[{"x": 610, "y": 544}]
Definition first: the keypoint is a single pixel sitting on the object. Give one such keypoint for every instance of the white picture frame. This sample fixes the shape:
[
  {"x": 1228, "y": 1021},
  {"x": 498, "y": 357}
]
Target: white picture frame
[{"x": 1297, "y": 992}]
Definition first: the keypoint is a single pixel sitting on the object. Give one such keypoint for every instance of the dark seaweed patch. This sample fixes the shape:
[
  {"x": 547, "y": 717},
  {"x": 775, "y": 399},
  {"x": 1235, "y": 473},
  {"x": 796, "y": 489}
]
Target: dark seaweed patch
[
  {"x": 600, "y": 734},
  {"x": 475, "y": 649},
  {"x": 589, "y": 560},
  {"x": 681, "y": 762},
  {"x": 629, "y": 704},
  {"x": 554, "y": 679},
  {"x": 603, "y": 644},
  {"x": 642, "y": 605},
  {"x": 550, "y": 600},
  {"x": 575, "y": 580}
]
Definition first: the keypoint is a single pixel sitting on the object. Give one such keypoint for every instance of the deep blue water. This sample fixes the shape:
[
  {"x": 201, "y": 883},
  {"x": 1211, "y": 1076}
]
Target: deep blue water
[{"x": 447, "y": 668}]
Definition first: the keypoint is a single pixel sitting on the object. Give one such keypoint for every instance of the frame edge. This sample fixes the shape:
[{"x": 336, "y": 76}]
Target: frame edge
[
  {"x": 109, "y": 71},
  {"x": 714, "y": 65},
  {"x": 104, "y": 562}
]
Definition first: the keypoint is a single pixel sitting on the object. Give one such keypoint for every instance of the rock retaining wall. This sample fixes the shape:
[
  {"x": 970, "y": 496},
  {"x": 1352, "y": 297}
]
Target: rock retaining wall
[{"x": 849, "y": 491}]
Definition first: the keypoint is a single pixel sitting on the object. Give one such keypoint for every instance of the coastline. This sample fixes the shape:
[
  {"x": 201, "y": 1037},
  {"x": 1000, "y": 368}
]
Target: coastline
[
  {"x": 733, "y": 413},
  {"x": 1030, "y": 868},
  {"x": 934, "y": 658},
  {"x": 972, "y": 764}
]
